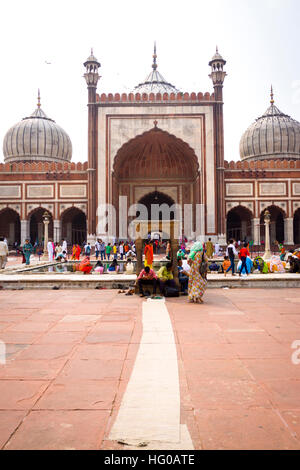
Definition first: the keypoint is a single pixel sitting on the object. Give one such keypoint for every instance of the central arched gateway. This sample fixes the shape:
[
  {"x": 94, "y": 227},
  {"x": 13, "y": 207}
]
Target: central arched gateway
[{"x": 155, "y": 168}]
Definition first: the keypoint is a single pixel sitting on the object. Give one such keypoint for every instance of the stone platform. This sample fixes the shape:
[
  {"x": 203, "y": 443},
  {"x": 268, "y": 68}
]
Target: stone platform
[{"x": 120, "y": 281}]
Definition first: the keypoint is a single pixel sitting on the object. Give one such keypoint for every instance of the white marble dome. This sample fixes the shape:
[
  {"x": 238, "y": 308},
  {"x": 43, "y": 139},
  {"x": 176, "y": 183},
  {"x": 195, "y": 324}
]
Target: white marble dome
[
  {"x": 274, "y": 135},
  {"x": 37, "y": 138}
]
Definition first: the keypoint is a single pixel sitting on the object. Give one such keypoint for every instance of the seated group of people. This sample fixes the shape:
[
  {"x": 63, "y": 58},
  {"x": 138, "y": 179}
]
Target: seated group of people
[{"x": 164, "y": 279}]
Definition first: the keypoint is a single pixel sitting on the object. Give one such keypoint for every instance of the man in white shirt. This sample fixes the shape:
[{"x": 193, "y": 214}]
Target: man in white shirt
[
  {"x": 3, "y": 253},
  {"x": 50, "y": 250},
  {"x": 231, "y": 253},
  {"x": 64, "y": 246}
]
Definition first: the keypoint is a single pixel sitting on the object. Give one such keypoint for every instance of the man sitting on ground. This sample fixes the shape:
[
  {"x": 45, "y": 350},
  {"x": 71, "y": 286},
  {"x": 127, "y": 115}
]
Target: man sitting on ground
[
  {"x": 166, "y": 277},
  {"x": 147, "y": 277},
  {"x": 294, "y": 264}
]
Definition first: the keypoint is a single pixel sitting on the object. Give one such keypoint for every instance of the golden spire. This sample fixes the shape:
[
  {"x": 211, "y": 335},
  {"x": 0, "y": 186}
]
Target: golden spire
[
  {"x": 154, "y": 65},
  {"x": 39, "y": 99},
  {"x": 272, "y": 96}
]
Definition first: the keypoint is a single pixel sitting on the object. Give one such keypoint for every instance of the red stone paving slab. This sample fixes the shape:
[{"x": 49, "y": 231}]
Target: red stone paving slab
[
  {"x": 292, "y": 418},
  {"x": 46, "y": 351},
  {"x": 269, "y": 369},
  {"x": 284, "y": 394},
  {"x": 31, "y": 326},
  {"x": 20, "y": 394},
  {"x": 207, "y": 351},
  {"x": 9, "y": 421},
  {"x": 262, "y": 350},
  {"x": 19, "y": 337},
  {"x": 60, "y": 430},
  {"x": 92, "y": 369},
  {"x": 101, "y": 351},
  {"x": 241, "y": 429},
  {"x": 79, "y": 395},
  {"x": 58, "y": 337},
  {"x": 219, "y": 369},
  {"x": 234, "y": 337},
  {"x": 227, "y": 394},
  {"x": 32, "y": 369}
]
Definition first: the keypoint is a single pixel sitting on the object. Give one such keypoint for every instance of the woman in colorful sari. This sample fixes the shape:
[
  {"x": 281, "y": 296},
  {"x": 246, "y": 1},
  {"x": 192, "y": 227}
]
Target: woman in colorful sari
[
  {"x": 74, "y": 253},
  {"x": 148, "y": 255},
  {"x": 85, "y": 265},
  {"x": 78, "y": 251},
  {"x": 197, "y": 283}
]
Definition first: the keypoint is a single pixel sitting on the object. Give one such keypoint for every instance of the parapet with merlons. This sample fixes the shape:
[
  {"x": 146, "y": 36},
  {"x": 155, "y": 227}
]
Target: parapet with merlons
[{"x": 155, "y": 98}]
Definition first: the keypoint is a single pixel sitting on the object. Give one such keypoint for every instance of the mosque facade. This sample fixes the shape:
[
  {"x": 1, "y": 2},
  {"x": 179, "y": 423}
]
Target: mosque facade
[{"x": 155, "y": 146}]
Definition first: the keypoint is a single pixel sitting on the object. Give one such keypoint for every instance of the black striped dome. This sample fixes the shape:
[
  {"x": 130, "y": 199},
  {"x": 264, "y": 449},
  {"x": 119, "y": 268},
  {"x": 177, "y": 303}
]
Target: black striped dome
[
  {"x": 272, "y": 136},
  {"x": 37, "y": 138}
]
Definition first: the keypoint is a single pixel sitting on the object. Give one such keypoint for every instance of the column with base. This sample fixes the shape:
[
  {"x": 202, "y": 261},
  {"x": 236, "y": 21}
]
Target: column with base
[
  {"x": 56, "y": 231},
  {"x": 24, "y": 231},
  {"x": 256, "y": 231},
  {"x": 289, "y": 231}
]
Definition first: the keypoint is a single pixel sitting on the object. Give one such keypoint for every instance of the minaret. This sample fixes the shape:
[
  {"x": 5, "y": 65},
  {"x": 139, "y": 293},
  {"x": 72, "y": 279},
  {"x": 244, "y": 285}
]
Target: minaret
[
  {"x": 218, "y": 76},
  {"x": 92, "y": 77}
]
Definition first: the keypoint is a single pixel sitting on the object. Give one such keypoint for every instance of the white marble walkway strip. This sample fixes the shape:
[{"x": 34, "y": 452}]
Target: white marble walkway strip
[{"x": 150, "y": 409}]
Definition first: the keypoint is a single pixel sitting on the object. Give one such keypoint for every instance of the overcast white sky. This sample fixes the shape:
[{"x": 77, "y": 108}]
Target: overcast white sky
[{"x": 258, "y": 38}]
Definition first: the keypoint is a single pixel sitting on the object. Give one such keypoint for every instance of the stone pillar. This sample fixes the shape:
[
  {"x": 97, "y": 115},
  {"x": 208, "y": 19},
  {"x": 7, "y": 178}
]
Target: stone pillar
[
  {"x": 267, "y": 256},
  {"x": 289, "y": 231},
  {"x": 174, "y": 249},
  {"x": 46, "y": 220},
  {"x": 24, "y": 231},
  {"x": 56, "y": 231},
  {"x": 139, "y": 255},
  {"x": 256, "y": 231}
]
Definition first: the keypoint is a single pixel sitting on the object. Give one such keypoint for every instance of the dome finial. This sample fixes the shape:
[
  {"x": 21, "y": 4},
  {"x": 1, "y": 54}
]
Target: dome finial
[
  {"x": 39, "y": 99},
  {"x": 154, "y": 65},
  {"x": 272, "y": 96}
]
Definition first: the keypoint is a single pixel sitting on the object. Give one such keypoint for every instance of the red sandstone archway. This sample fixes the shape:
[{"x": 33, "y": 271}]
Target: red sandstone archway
[
  {"x": 10, "y": 226},
  {"x": 36, "y": 225},
  {"x": 277, "y": 224},
  {"x": 239, "y": 225},
  {"x": 297, "y": 227},
  {"x": 159, "y": 161},
  {"x": 73, "y": 226}
]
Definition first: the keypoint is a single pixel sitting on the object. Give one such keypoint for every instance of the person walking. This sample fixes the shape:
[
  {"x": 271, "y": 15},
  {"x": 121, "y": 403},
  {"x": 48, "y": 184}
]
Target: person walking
[
  {"x": 87, "y": 249},
  {"x": 108, "y": 250},
  {"x": 3, "y": 253},
  {"x": 97, "y": 249},
  {"x": 231, "y": 253},
  {"x": 102, "y": 250},
  {"x": 244, "y": 253},
  {"x": 197, "y": 276},
  {"x": 209, "y": 249},
  {"x": 27, "y": 250}
]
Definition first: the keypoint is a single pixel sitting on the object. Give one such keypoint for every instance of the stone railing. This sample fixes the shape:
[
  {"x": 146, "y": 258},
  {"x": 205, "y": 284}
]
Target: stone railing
[
  {"x": 30, "y": 167},
  {"x": 262, "y": 165}
]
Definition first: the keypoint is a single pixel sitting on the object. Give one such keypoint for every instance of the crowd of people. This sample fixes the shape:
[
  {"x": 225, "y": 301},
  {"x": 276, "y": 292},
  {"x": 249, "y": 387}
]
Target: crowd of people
[{"x": 193, "y": 262}]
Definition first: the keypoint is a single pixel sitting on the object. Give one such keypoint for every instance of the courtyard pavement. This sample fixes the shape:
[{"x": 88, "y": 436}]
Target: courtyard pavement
[{"x": 94, "y": 369}]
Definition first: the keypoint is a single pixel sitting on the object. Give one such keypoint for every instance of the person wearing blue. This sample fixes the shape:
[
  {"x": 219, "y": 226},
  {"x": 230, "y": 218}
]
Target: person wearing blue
[
  {"x": 27, "y": 250},
  {"x": 231, "y": 253},
  {"x": 183, "y": 278}
]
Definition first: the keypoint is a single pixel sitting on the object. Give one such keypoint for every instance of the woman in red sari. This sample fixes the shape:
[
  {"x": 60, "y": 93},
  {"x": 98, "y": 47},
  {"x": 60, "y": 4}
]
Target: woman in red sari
[
  {"x": 78, "y": 251},
  {"x": 148, "y": 255}
]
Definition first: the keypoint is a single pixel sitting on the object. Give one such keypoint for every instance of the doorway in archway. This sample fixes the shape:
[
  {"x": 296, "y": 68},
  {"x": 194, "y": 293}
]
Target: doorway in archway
[{"x": 10, "y": 226}]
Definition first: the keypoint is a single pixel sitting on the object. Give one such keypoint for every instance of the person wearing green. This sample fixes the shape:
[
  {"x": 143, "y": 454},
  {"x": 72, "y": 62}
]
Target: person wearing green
[
  {"x": 27, "y": 250},
  {"x": 108, "y": 251},
  {"x": 166, "y": 278}
]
